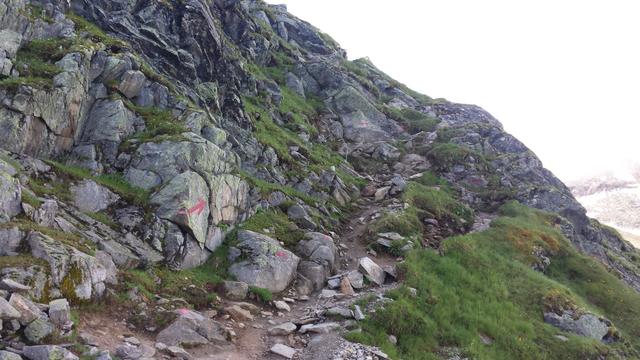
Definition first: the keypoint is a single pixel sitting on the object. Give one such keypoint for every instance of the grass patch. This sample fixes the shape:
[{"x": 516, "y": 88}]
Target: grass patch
[
  {"x": 301, "y": 109},
  {"x": 361, "y": 73},
  {"x": 36, "y": 12},
  {"x": 152, "y": 75},
  {"x": 12, "y": 162},
  {"x": 430, "y": 179},
  {"x": 30, "y": 199},
  {"x": 265, "y": 188},
  {"x": 438, "y": 204},
  {"x": 36, "y": 58},
  {"x": 282, "y": 228},
  {"x": 103, "y": 218},
  {"x": 264, "y": 295},
  {"x": 159, "y": 123},
  {"x": 412, "y": 120},
  {"x": 169, "y": 283},
  {"x": 56, "y": 188},
  {"x": 405, "y": 223},
  {"x": 22, "y": 261},
  {"x": 115, "y": 182},
  {"x": 67, "y": 238},
  {"x": 94, "y": 32},
  {"x": 35, "y": 62},
  {"x": 444, "y": 156},
  {"x": 482, "y": 283},
  {"x": 268, "y": 133}
]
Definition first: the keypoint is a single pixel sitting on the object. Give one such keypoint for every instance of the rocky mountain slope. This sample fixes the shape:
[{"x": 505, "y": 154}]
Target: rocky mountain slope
[
  {"x": 218, "y": 176},
  {"x": 614, "y": 200}
]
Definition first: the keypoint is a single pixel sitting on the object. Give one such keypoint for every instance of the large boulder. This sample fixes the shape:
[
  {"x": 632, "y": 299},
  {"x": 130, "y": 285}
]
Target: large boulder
[
  {"x": 157, "y": 163},
  {"x": 109, "y": 120},
  {"x": 38, "y": 330},
  {"x": 372, "y": 271},
  {"x": 91, "y": 197},
  {"x": 185, "y": 201},
  {"x": 587, "y": 325},
  {"x": 108, "y": 124},
  {"x": 48, "y": 352},
  {"x": 362, "y": 121},
  {"x": 319, "y": 255},
  {"x": 59, "y": 312},
  {"x": 7, "y": 311},
  {"x": 229, "y": 198},
  {"x": 132, "y": 83},
  {"x": 190, "y": 329},
  {"x": 6, "y": 355},
  {"x": 10, "y": 240},
  {"x": 27, "y": 309},
  {"x": 265, "y": 263},
  {"x": 10, "y": 43},
  {"x": 79, "y": 276}
]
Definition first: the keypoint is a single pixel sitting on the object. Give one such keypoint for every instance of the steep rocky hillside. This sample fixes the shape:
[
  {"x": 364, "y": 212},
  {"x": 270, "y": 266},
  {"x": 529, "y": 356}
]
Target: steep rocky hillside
[{"x": 217, "y": 176}]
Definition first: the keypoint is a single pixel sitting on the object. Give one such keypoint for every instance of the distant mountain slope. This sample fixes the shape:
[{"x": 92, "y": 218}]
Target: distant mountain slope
[{"x": 613, "y": 199}]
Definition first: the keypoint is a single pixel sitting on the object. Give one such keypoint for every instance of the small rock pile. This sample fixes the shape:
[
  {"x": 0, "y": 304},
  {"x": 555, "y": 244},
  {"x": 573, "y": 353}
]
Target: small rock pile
[
  {"x": 22, "y": 320},
  {"x": 352, "y": 351}
]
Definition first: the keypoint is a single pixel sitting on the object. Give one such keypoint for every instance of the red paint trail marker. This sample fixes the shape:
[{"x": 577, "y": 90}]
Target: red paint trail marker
[
  {"x": 183, "y": 311},
  {"x": 196, "y": 209}
]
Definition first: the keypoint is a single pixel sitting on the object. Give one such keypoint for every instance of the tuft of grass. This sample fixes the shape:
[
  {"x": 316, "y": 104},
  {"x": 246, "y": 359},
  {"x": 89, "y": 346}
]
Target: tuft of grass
[
  {"x": 37, "y": 57},
  {"x": 152, "y": 75},
  {"x": 482, "y": 283},
  {"x": 159, "y": 123},
  {"x": 169, "y": 283},
  {"x": 115, "y": 182},
  {"x": 283, "y": 229},
  {"x": 301, "y": 109},
  {"x": 22, "y": 261},
  {"x": 56, "y": 188},
  {"x": 439, "y": 204},
  {"x": 265, "y": 188},
  {"x": 36, "y": 12},
  {"x": 412, "y": 120},
  {"x": 30, "y": 199},
  {"x": 103, "y": 218},
  {"x": 405, "y": 223},
  {"x": 430, "y": 179},
  {"x": 444, "y": 156},
  {"x": 264, "y": 295},
  {"x": 67, "y": 238},
  {"x": 94, "y": 32}
]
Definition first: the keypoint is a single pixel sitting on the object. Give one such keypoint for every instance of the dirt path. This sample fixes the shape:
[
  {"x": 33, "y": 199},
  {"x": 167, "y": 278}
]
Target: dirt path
[{"x": 253, "y": 341}]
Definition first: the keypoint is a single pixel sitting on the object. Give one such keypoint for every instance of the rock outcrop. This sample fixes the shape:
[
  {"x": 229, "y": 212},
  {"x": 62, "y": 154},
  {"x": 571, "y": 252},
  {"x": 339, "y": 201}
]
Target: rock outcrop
[{"x": 266, "y": 264}]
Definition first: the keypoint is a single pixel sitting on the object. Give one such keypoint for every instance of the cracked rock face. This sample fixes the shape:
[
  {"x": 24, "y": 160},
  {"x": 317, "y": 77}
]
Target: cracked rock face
[{"x": 10, "y": 197}]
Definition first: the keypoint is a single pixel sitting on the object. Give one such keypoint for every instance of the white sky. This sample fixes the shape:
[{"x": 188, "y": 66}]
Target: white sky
[{"x": 562, "y": 76}]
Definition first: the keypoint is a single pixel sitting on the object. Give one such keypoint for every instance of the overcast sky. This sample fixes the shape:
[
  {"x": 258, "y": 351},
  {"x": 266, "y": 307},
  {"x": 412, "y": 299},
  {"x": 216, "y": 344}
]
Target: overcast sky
[{"x": 562, "y": 76}]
